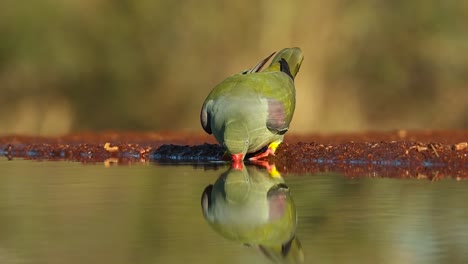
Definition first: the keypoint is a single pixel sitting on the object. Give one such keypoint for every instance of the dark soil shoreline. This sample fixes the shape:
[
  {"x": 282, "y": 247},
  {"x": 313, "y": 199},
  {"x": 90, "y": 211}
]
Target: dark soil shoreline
[{"x": 399, "y": 154}]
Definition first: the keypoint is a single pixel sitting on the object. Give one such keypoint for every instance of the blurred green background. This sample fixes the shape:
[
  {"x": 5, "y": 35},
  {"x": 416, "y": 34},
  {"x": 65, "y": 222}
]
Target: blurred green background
[{"x": 148, "y": 65}]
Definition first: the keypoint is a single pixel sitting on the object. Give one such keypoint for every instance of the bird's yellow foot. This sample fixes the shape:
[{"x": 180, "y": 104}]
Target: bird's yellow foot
[
  {"x": 270, "y": 151},
  {"x": 274, "y": 173},
  {"x": 271, "y": 168}
]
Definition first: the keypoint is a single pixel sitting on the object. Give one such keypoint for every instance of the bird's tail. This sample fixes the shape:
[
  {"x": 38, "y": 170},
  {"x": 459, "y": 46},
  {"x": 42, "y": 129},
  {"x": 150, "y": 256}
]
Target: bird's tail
[{"x": 288, "y": 253}]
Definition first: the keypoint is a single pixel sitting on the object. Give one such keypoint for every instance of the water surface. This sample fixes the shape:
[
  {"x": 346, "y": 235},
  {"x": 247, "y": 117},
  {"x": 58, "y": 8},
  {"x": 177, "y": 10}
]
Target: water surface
[{"x": 66, "y": 212}]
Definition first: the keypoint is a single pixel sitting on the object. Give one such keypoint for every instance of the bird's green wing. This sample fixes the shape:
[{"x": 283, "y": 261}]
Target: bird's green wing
[
  {"x": 205, "y": 117},
  {"x": 282, "y": 99}
]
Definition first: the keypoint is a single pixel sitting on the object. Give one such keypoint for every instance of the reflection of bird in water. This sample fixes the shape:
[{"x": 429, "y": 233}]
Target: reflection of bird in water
[{"x": 249, "y": 206}]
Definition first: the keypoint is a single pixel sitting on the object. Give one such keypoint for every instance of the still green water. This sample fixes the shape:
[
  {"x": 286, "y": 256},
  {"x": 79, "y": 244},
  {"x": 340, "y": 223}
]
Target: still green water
[{"x": 66, "y": 212}]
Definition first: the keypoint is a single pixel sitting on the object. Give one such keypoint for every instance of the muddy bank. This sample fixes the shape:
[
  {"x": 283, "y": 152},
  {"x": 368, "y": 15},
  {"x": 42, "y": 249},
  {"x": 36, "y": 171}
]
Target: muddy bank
[{"x": 423, "y": 154}]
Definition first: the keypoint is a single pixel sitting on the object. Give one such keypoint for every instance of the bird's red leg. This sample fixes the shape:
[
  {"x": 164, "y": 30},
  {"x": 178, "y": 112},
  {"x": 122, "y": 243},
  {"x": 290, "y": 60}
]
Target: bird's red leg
[
  {"x": 270, "y": 151},
  {"x": 237, "y": 161}
]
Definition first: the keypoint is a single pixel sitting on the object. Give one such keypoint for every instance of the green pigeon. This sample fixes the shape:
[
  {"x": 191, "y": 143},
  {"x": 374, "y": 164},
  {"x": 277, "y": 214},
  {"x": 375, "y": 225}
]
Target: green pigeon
[{"x": 253, "y": 109}]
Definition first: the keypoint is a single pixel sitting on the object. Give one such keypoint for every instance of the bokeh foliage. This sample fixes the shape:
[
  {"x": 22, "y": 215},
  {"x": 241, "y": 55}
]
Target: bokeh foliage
[{"x": 148, "y": 65}]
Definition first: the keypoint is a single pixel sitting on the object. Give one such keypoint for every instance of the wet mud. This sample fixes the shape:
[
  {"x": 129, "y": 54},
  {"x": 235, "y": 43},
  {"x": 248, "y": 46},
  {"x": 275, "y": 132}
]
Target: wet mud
[{"x": 429, "y": 155}]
